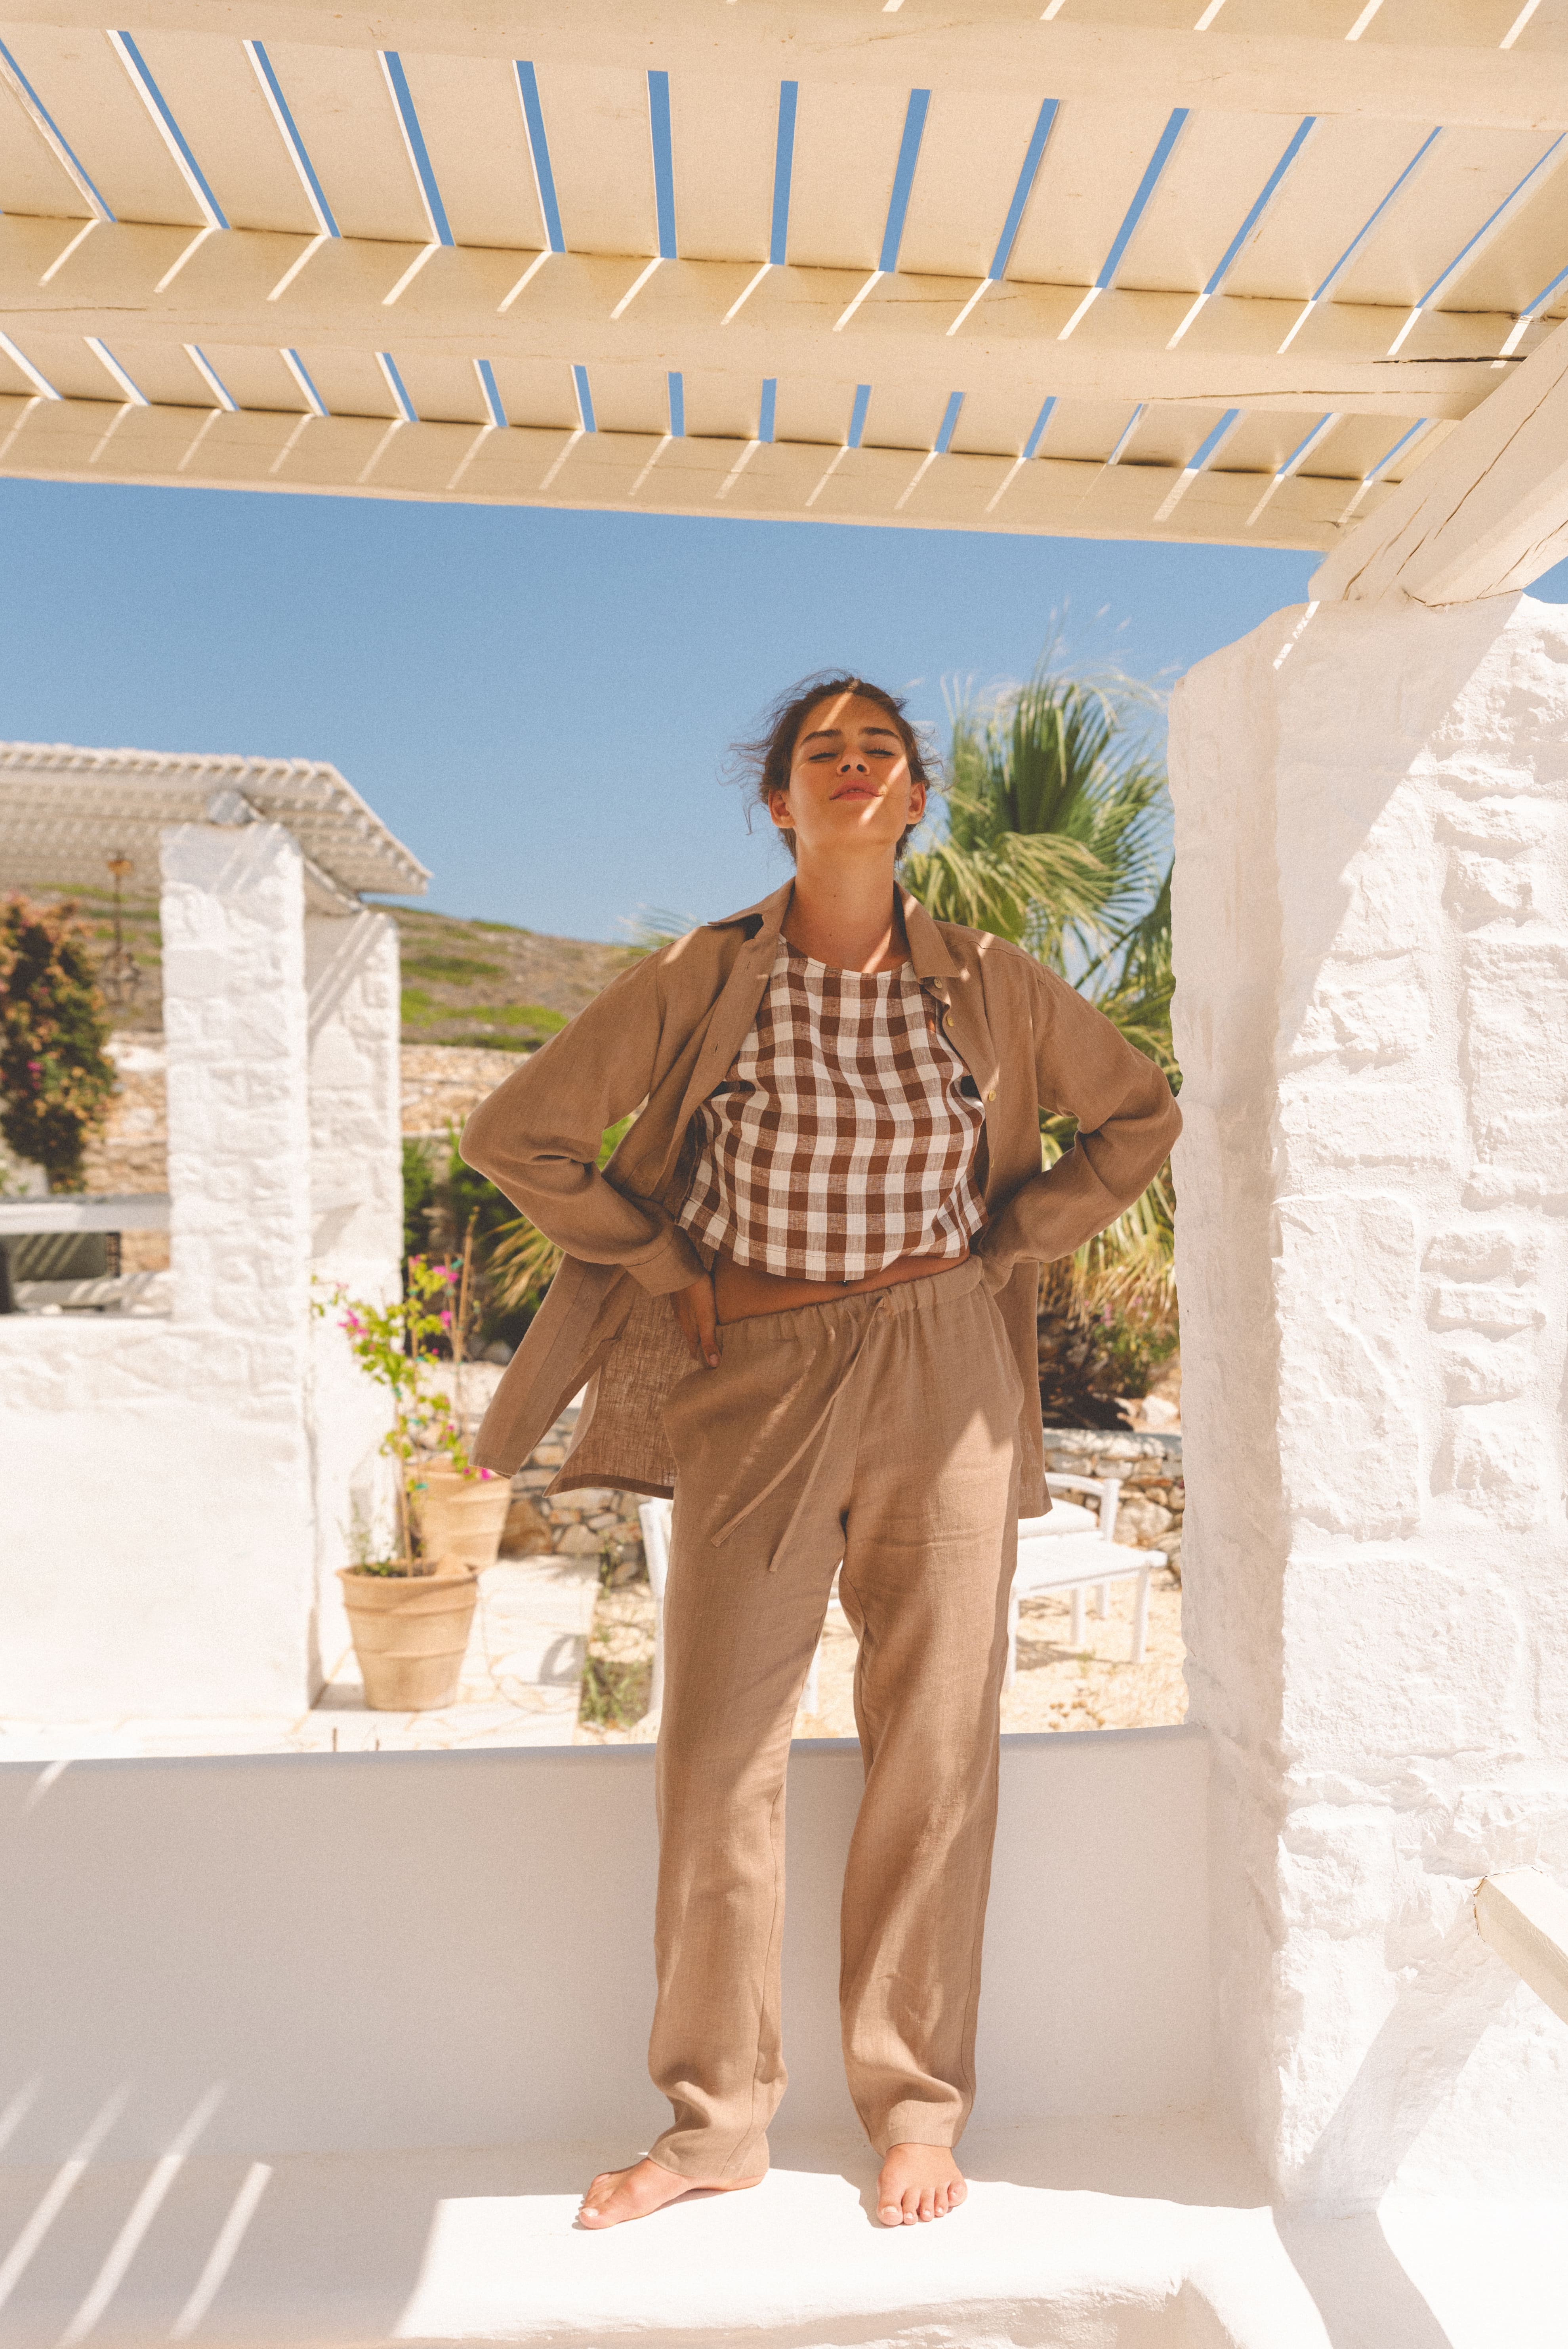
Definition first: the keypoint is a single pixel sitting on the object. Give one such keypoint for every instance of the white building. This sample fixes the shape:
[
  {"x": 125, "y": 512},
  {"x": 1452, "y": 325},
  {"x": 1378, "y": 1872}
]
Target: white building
[
  {"x": 179, "y": 1476},
  {"x": 1258, "y": 272}
]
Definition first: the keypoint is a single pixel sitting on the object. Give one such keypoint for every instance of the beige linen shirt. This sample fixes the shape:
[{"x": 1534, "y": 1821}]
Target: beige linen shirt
[{"x": 659, "y": 1038}]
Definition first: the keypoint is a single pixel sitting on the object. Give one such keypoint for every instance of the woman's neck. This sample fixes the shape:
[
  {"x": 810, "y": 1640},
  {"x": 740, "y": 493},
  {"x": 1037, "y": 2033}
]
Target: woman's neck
[{"x": 848, "y": 915}]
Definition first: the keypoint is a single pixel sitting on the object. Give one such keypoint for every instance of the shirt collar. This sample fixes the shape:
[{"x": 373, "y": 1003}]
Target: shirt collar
[{"x": 929, "y": 953}]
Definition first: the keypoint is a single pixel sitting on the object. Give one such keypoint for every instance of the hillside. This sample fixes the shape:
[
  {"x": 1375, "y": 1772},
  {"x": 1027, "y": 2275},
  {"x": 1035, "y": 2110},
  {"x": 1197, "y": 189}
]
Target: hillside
[{"x": 488, "y": 983}]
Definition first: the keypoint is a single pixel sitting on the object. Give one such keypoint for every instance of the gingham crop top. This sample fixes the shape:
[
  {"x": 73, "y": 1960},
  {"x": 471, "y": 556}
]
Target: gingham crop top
[{"x": 844, "y": 1136}]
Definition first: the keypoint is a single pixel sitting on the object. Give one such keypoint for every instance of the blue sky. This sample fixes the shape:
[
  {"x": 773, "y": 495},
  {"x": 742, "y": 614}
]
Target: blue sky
[{"x": 538, "y": 703}]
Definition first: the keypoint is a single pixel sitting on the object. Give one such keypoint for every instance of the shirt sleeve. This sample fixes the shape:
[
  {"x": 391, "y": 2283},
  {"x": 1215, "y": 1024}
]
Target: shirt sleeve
[
  {"x": 1128, "y": 1120},
  {"x": 537, "y": 1137}
]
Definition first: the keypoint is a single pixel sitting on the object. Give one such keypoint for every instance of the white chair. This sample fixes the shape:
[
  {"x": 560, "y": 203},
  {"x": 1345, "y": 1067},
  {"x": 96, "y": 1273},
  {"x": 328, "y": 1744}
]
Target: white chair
[
  {"x": 656, "y": 1519},
  {"x": 1071, "y": 1550}
]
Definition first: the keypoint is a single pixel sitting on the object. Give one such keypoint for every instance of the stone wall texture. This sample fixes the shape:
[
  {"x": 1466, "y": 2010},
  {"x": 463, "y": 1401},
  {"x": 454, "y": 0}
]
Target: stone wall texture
[
  {"x": 1372, "y": 1020},
  {"x": 442, "y": 1083},
  {"x": 590, "y": 1523},
  {"x": 604, "y": 1524},
  {"x": 1153, "y": 1492}
]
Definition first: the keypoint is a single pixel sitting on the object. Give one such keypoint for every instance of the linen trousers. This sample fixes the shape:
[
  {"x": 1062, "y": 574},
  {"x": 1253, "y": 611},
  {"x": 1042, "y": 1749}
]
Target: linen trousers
[{"x": 882, "y": 1430}]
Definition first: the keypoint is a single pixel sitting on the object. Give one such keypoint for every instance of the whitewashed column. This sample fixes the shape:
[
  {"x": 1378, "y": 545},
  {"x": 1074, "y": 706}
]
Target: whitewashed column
[
  {"x": 239, "y": 1554},
  {"x": 1372, "y": 1020},
  {"x": 356, "y": 1215}
]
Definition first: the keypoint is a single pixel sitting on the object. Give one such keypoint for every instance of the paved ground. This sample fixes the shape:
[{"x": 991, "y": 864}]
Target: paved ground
[
  {"x": 1058, "y": 1687},
  {"x": 522, "y": 1679}
]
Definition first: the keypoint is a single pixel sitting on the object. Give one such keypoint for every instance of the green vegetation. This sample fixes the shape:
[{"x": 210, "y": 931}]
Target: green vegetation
[
  {"x": 490, "y": 986},
  {"x": 56, "y": 1077},
  {"x": 445, "y": 1202},
  {"x": 522, "y": 1263},
  {"x": 535, "y": 1016},
  {"x": 614, "y": 1695},
  {"x": 1055, "y": 837},
  {"x": 418, "y": 1197},
  {"x": 461, "y": 970}
]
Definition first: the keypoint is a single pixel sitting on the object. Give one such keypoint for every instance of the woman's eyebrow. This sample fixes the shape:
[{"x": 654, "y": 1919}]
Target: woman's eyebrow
[{"x": 890, "y": 731}]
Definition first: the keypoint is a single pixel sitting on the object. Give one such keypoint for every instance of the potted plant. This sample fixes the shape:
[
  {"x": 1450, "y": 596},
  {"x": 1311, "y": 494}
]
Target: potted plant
[
  {"x": 411, "y": 1612},
  {"x": 462, "y": 1510}
]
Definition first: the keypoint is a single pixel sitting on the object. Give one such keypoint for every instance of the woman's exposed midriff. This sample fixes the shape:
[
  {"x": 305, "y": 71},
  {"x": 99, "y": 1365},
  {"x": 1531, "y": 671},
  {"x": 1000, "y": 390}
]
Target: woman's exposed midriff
[{"x": 741, "y": 1292}]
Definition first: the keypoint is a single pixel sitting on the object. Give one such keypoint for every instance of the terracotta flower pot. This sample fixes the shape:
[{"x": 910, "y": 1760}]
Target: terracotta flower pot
[
  {"x": 411, "y": 1631},
  {"x": 462, "y": 1518}
]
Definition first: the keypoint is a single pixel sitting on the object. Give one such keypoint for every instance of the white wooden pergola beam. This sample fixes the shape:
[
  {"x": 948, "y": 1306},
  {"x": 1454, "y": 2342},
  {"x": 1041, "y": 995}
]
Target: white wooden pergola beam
[
  {"x": 267, "y": 291},
  {"x": 978, "y": 45},
  {"x": 1485, "y": 516},
  {"x": 88, "y": 441}
]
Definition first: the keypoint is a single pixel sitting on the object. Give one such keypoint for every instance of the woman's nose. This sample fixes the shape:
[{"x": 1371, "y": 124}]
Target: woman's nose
[{"x": 852, "y": 763}]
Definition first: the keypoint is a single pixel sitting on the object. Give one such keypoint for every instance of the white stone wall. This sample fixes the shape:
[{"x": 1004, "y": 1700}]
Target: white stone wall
[
  {"x": 1372, "y": 1020},
  {"x": 356, "y": 1230},
  {"x": 159, "y": 1524}
]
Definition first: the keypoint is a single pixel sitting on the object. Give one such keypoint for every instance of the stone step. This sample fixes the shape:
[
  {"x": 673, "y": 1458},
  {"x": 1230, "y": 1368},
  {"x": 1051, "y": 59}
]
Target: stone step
[{"x": 1097, "y": 2234}]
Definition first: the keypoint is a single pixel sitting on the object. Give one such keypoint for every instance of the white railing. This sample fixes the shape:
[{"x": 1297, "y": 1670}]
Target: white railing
[{"x": 86, "y": 1211}]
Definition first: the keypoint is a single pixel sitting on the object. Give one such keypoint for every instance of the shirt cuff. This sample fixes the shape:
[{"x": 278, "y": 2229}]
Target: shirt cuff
[{"x": 674, "y": 1263}]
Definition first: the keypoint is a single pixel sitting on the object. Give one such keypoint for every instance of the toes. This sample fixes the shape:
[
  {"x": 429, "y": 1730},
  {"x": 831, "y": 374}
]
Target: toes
[{"x": 889, "y": 2214}]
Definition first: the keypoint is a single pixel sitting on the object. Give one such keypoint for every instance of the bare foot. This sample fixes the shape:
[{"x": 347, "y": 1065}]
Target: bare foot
[
  {"x": 644, "y": 2188},
  {"x": 918, "y": 2181}
]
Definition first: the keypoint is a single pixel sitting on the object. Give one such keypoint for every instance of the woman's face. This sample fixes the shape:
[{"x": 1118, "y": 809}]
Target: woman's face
[{"x": 850, "y": 784}]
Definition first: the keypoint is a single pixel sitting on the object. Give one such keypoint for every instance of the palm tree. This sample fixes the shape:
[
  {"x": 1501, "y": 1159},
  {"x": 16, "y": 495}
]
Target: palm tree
[
  {"x": 1056, "y": 816},
  {"x": 1057, "y": 838}
]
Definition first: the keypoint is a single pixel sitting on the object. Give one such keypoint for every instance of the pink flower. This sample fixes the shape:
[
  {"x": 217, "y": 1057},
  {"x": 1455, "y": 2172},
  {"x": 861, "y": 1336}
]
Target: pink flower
[{"x": 445, "y": 1320}]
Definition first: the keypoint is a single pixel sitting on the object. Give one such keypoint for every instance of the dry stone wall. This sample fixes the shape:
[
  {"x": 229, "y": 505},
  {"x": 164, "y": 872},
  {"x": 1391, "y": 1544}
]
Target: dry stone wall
[
  {"x": 1153, "y": 1493},
  {"x": 597, "y": 1522},
  {"x": 604, "y": 1522}
]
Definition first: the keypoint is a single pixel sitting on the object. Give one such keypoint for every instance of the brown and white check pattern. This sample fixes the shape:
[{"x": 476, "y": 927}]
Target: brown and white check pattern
[{"x": 839, "y": 1140}]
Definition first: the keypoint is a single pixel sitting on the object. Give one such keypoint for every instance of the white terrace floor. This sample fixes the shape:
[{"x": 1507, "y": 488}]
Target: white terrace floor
[{"x": 1101, "y": 2234}]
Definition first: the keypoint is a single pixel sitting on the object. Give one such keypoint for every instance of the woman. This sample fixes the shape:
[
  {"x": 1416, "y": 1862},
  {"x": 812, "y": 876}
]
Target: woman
[{"x": 835, "y": 1184}]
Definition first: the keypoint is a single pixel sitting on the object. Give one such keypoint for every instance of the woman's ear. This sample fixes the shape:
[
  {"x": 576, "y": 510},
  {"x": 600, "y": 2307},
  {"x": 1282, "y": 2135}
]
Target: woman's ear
[{"x": 778, "y": 809}]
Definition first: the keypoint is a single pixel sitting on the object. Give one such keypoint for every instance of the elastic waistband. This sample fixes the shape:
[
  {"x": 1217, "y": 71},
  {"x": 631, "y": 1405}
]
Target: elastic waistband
[{"x": 932, "y": 1288}]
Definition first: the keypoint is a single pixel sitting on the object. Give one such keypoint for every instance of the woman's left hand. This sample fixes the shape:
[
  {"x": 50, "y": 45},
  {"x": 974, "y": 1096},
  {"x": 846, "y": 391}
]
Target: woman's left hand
[{"x": 698, "y": 1316}]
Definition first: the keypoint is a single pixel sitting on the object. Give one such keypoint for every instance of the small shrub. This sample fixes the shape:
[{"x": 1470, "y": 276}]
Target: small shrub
[
  {"x": 1090, "y": 1359},
  {"x": 614, "y": 1696},
  {"x": 55, "y": 1076}
]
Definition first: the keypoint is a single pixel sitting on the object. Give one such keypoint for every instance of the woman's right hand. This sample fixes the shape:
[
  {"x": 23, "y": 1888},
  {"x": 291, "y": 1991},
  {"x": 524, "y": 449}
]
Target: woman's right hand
[{"x": 698, "y": 1316}]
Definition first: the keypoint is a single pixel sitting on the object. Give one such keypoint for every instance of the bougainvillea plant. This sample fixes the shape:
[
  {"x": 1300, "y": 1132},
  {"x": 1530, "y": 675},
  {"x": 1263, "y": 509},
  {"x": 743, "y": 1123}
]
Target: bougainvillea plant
[
  {"x": 55, "y": 1076},
  {"x": 396, "y": 1345}
]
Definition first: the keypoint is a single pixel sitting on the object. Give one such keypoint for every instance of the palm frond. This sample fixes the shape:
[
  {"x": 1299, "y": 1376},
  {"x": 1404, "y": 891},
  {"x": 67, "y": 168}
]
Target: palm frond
[
  {"x": 995, "y": 883},
  {"x": 522, "y": 1264}
]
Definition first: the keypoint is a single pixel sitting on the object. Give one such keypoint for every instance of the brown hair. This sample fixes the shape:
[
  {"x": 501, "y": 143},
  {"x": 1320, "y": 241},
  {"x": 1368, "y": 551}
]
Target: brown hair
[{"x": 763, "y": 765}]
